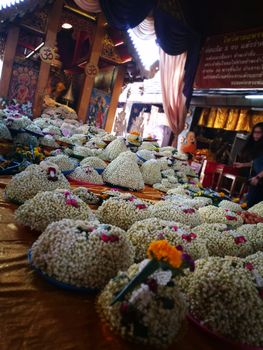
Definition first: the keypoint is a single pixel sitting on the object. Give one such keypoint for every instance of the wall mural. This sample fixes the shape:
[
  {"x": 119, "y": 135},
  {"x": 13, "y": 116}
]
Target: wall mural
[
  {"x": 98, "y": 108},
  {"x": 23, "y": 82}
]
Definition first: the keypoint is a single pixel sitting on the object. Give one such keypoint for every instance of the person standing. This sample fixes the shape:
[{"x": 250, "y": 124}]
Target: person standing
[{"x": 253, "y": 153}]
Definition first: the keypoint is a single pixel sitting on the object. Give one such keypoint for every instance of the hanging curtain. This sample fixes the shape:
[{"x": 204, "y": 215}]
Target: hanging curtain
[
  {"x": 145, "y": 30},
  {"x": 179, "y": 49},
  {"x": 126, "y": 14},
  {"x": 172, "y": 72},
  {"x": 180, "y": 39},
  {"x": 89, "y": 5}
]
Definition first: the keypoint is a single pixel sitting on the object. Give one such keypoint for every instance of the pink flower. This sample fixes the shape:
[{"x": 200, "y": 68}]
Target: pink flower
[
  {"x": 131, "y": 199},
  {"x": 240, "y": 240},
  {"x": 189, "y": 211},
  {"x": 109, "y": 238},
  {"x": 141, "y": 206},
  {"x": 161, "y": 235},
  {"x": 189, "y": 237},
  {"x": 231, "y": 218},
  {"x": 175, "y": 228},
  {"x": 72, "y": 201},
  {"x": 249, "y": 266}
]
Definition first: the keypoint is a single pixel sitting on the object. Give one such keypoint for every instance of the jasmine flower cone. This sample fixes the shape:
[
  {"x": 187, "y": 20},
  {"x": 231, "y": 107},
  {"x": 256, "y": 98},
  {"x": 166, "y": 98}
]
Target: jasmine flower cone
[{"x": 125, "y": 172}]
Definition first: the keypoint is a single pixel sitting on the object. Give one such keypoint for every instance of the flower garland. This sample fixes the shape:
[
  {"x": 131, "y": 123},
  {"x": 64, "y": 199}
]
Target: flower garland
[
  {"x": 82, "y": 253},
  {"x": 144, "y": 304},
  {"x": 47, "y": 207},
  {"x": 126, "y": 207}
]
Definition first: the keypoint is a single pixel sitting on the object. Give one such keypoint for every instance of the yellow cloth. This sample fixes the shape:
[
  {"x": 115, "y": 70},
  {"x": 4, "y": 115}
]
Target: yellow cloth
[
  {"x": 203, "y": 117},
  {"x": 232, "y": 119},
  {"x": 211, "y": 118},
  {"x": 221, "y": 118},
  {"x": 243, "y": 123},
  {"x": 257, "y": 117}
]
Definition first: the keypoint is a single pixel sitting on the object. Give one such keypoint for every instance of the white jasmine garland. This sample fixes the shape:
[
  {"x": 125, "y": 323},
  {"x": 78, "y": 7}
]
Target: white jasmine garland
[
  {"x": 254, "y": 234},
  {"x": 49, "y": 141},
  {"x": 4, "y": 132},
  {"x": 64, "y": 162},
  {"x": 235, "y": 207},
  {"x": 86, "y": 173},
  {"x": 123, "y": 211},
  {"x": 47, "y": 207},
  {"x": 170, "y": 211},
  {"x": 151, "y": 172},
  {"x": 158, "y": 312},
  {"x": 257, "y": 209},
  {"x": 143, "y": 232},
  {"x": 86, "y": 195},
  {"x": 124, "y": 171},
  {"x": 32, "y": 180},
  {"x": 82, "y": 253},
  {"x": 222, "y": 293},
  {"x": 94, "y": 162},
  {"x": 144, "y": 155},
  {"x": 115, "y": 148},
  {"x": 212, "y": 214}
]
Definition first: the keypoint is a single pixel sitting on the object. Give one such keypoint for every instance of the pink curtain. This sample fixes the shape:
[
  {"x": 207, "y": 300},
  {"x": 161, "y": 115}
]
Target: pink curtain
[
  {"x": 172, "y": 70},
  {"x": 89, "y": 5}
]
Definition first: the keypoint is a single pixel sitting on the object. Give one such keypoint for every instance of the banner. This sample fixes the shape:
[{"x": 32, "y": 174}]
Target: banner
[{"x": 232, "y": 61}]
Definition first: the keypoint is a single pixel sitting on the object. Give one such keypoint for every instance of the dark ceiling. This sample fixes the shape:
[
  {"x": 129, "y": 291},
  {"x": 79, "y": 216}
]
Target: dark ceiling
[{"x": 211, "y": 17}]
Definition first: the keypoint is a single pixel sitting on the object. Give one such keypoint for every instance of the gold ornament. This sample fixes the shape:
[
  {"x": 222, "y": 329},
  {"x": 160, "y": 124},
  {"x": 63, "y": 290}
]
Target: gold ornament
[{"x": 91, "y": 69}]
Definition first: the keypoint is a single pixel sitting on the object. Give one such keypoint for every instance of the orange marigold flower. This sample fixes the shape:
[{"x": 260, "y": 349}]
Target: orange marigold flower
[
  {"x": 163, "y": 251},
  {"x": 135, "y": 133}
]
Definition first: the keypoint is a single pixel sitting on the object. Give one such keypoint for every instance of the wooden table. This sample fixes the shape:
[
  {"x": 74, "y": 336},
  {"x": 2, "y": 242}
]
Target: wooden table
[{"x": 37, "y": 316}]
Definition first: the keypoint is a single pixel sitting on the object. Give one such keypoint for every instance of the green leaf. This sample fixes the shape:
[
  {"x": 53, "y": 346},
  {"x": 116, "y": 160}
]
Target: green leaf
[{"x": 150, "y": 268}]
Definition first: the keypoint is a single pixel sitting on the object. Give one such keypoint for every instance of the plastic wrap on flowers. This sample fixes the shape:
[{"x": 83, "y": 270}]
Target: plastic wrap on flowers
[
  {"x": 123, "y": 211},
  {"x": 142, "y": 233},
  {"x": 180, "y": 213},
  {"x": 115, "y": 148},
  {"x": 211, "y": 214},
  {"x": 124, "y": 171},
  {"x": 50, "y": 206},
  {"x": 235, "y": 207},
  {"x": 87, "y": 174},
  {"x": 257, "y": 209},
  {"x": 34, "y": 179},
  {"x": 82, "y": 253},
  {"x": 225, "y": 294},
  {"x": 151, "y": 314},
  {"x": 94, "y": 162},
  {"x": 64, "y": 162},
  {"x": 86, "y": 195},
  {"x": 151, "y": 172}
]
